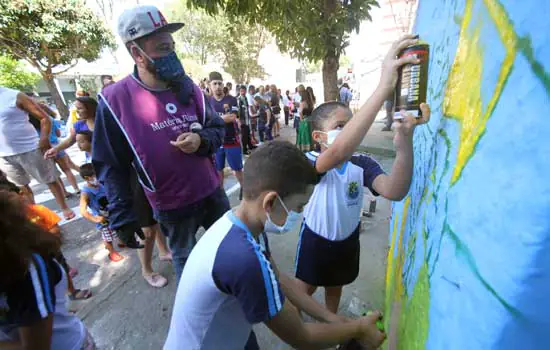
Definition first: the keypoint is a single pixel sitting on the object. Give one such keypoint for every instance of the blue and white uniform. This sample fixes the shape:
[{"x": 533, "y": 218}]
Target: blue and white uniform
[
  {"x": 328, "y": 249},
  {"x": 227, "y": 285}
]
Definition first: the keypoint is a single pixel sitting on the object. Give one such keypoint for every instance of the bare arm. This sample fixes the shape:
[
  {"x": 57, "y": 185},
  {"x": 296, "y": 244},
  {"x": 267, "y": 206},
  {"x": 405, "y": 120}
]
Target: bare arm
[
  {"x": 27, "y": 104},
  {"x": 84, "y": 200},
  {"x": 355, "y": 130},
  {"x": 396, "y": 185},
  {"x": 306, "y": 302},
  {"x": 37, "y": 336},
  {"x": 268, "y": 114}
]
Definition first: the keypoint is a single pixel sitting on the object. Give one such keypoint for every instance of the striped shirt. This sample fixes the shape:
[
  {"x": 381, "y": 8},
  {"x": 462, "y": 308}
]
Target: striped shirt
[{"x": 227, "y": 285}]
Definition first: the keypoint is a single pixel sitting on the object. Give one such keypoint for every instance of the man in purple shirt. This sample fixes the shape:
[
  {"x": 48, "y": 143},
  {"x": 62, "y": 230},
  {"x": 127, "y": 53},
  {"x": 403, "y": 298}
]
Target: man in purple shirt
[{"x": 158, "y": 123}]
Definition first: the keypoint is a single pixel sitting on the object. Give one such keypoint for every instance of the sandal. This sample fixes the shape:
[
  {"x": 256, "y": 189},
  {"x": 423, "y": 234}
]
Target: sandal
[
  {"x": 73, "y": 272},
  {"x": 115, "y": 257},
  {"x": 68, "y": 214},
  {"x": 156, "y": 280},
  {"x": 80, "y": 294},
  {"x": 166, "y": 257}
]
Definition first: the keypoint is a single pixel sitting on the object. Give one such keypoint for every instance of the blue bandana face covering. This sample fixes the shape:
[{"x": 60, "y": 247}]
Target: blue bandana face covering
[{"x": 167, "y": 68}]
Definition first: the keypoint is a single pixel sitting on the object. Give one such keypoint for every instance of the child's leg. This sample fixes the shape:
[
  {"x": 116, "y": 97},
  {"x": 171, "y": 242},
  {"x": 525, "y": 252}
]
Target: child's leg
[
  {"x": 332, "y": 298},
  {"x": 108, "y": 237}
]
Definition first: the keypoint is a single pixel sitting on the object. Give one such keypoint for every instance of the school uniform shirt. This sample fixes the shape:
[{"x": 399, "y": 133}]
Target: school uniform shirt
[
  {"x": 227, "y": 285},
  {"x": 334, "y": 208},
  {"x": 228, "y": 104},
  {"x": 97, "y": 199},
  {"x": 39, "y": 294}
]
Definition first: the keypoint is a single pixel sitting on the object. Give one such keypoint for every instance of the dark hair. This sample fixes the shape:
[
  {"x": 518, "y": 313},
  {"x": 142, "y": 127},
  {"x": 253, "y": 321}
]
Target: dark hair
[
  {"x": 345, "y": 85},
  {"x": 19, "y": 239},
  {"x": 326, "y": 111},
  {"x": 87, "y": 170},
  {"x": 268, "y": 167},
  {"x": 214, "y": 76},
  {"x": 87, "y": 133},
  {"x": 242, "y": 87},
  {"x": 7, "y": 185},
  {"x": 229, "y": 85},
  {"x": 306, "y": 97},
  {"x": 251, "y": 87},
  {"x": 225, "y": 90},
  {"x": 309, "y": 90}
]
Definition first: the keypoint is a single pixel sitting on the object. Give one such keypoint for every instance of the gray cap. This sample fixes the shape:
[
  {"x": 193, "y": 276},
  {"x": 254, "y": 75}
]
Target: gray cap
[{"x": 140, "y": 21}]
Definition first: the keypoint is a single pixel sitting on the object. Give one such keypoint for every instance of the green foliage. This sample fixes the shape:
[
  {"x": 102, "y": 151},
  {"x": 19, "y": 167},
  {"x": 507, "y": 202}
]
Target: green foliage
[
  {"x": 316, "y": 66},
  {"x": 50, "y": 33},
  {"x": 14, "y": 75},
  {"x": 307, "y": 29},
  {"x": 218, "y": 38}
]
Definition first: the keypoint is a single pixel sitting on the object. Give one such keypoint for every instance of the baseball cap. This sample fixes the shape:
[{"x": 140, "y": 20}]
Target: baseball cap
[{"x": 143, "y": 20}]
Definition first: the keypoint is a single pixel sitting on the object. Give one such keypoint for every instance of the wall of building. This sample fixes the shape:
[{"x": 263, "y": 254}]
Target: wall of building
[{"x": 469, "y": 258}]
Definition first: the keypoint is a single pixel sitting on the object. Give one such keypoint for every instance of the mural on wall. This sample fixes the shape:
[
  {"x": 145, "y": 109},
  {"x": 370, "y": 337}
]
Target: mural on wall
[{"x": 469, "y": 259}]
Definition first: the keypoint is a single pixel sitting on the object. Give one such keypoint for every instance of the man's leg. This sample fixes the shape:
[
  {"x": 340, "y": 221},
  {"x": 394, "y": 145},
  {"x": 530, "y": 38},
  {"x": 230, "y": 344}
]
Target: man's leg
[
  {"x": 215, "y": 207},
  {"x": 235, "y": 160},
  {"x": 220, "y": 163},
  {"x": 287, "y": 115},
  {"x": 180, "y": 230},
  {"x": 57, "y": 192},
  {"x": 245, "y": 138}
]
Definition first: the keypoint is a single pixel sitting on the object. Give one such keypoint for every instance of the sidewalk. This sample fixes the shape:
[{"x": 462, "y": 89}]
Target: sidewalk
[
  {"x": 378, "y": 142},
  {"x": 125, "y": 313}
]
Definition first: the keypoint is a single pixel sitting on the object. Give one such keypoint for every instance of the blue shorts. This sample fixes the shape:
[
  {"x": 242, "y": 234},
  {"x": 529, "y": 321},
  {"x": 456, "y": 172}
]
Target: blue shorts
[
  {"x": 326, "y": 263},
  {"x": 234, "y": 158}
]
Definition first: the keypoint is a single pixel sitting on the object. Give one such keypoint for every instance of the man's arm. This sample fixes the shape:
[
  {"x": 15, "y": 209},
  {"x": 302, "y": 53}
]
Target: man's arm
[
  {"x": 212, "y": 133},
  {"x": 355, "y": 130},
  {"x": 27, "y": 104},
  {"x": 112, "y": 159},
  {"x": 396, "y": 185}
]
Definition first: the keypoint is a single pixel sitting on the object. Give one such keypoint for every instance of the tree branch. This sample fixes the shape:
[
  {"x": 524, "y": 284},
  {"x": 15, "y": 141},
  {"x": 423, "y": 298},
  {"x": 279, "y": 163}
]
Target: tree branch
[{"x": 66, "y": 69}]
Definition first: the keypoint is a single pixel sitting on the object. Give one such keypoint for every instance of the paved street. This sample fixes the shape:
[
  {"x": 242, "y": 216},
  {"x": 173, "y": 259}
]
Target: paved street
[{"x": 125, "y": 313}]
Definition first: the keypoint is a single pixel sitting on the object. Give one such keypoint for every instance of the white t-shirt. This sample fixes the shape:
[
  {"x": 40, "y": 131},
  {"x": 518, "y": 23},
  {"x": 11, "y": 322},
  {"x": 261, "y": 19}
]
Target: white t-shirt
[
  {"x": 334, "y": 208},
  {"x": 227, "y": 285},
  {"x": 17, "y": 135}
]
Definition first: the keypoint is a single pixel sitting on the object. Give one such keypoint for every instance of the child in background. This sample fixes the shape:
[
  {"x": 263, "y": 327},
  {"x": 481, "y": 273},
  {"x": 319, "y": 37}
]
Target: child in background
[
  {"x": 328, "y": 248},
  {"x": 84, "y": 142},
  {"x": 93, "y": 196},
  {"x": 264, "y": 119}
]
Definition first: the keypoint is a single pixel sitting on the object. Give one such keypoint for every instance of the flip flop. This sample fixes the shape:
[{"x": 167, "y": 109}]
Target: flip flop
[
  {"x": 80, "y": 294},
  {"x": 156, "y": 280},
  {"x": 167, "y": 257},
  {"x": 115, "y": 257},
  {"x": 68, "y": 216}
]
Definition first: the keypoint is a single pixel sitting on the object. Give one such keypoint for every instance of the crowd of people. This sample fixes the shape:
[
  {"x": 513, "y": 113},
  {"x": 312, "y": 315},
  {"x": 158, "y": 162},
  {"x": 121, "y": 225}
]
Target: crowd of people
[{"x": 156, "y": 147}]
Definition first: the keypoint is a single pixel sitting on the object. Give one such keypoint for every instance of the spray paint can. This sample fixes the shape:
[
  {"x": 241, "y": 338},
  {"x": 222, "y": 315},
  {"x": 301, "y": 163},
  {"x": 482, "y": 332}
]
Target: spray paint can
[{"x": 412, "y": 82}]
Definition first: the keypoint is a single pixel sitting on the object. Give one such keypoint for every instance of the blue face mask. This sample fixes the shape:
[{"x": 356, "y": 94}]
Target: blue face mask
[
  {"x": 292, "y": 220},
  {"x": 167, "y": 68}
]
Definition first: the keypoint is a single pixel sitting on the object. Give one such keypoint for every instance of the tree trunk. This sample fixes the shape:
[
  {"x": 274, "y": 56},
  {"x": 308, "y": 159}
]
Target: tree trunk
[
  {"x": 330, "y": 76},
  {"x": 56, "y": 95}
]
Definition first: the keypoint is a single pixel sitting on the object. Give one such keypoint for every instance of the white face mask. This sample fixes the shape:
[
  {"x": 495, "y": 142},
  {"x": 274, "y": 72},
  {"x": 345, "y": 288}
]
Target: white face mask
[
  {"x": 331, "y": 136},
  {"x": 292, "y": 219},
  {"x": 94, "y": 182}
]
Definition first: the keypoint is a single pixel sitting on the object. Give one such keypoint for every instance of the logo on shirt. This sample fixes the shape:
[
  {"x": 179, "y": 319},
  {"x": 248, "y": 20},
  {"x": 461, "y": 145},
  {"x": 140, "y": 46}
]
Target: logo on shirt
[
  {"x": 171, "y": 108},
  {"x": 353, "y": 190}
]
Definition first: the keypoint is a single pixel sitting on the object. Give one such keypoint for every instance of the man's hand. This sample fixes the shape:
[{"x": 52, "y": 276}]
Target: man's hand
[
  {"x": 51, "y": 153},
  {"x": 187, "y": 142},
  {"x": 391, "y": 63},
  {"x": 371, "y": 337},
  {"x": 44, "y": 144},
  {"x": 404, "y": 128}
]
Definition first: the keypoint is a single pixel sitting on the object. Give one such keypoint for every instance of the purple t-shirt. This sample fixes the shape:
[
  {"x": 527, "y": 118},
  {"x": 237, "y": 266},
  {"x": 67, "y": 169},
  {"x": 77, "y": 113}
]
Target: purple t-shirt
[{"x": 228, "y": 104}]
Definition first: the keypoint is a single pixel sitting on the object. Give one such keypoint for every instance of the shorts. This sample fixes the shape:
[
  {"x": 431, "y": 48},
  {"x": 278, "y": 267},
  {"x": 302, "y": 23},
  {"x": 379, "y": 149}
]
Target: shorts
[
  {"x": 19, "y": 168},
  {"x": 234, "y": 158},
  {"x": 325, "y": 263},
  {"x": 107, "y": 234},
  {"x": 60, "y": 154},
  {"x": 142, "y": 208}
]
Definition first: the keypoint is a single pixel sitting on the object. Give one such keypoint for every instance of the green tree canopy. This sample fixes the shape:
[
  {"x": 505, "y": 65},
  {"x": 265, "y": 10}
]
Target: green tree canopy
[
  {"x": 219, "y": 38},
  {"x": 307, "y": 29},
  {"x": 52, "y": 35},
  {"x": 13, "y": 74}
]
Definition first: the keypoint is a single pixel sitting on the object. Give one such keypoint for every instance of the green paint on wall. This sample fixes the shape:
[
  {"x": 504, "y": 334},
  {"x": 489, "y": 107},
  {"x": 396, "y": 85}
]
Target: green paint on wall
[{"x": 414, "y": 321}]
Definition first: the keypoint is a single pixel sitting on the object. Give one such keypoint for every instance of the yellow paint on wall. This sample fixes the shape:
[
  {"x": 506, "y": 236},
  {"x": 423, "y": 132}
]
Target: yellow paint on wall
[{"x": 463, "y": 100}]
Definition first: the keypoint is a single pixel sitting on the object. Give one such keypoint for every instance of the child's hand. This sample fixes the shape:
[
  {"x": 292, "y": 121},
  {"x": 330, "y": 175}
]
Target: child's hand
[
  {"x": 99, "y": 219},
  {"x": 391, "y": 63},
  {"x": 404, "y": 128},
  {"x": 371, "y": 337}
]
